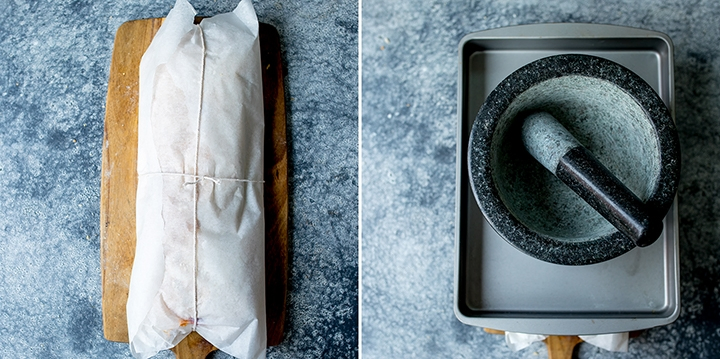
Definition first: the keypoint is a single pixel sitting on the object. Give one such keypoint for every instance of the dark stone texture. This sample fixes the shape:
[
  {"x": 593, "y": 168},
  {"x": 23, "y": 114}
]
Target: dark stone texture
[
  {"x": 54, "y": 63},
  {"x": 487, "y": 151},
  {"x": 592, "y": 181},
  {"x": 409, "y": 122}
]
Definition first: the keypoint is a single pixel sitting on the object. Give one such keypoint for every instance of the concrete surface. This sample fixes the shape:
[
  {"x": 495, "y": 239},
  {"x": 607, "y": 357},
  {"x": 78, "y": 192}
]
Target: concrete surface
[
  {"x": 409, "y": 101},
  {"x": 54, "y": 63}
]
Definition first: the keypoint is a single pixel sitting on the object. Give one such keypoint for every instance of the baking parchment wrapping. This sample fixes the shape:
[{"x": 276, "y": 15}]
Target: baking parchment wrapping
[
  {"x": 199, "y": 259},
  {"x": 616, "y": 342}
]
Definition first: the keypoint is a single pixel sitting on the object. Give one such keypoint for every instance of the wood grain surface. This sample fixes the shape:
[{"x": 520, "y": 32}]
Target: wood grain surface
[
  {"x": 558, "y": 346},
  {"x": 119, "y": 184},
  {"x": 561, "y": 346}
]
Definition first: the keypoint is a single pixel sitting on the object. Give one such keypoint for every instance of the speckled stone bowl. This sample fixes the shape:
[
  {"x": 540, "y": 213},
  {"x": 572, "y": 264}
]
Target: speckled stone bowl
[{"x": 610, "y": 110}]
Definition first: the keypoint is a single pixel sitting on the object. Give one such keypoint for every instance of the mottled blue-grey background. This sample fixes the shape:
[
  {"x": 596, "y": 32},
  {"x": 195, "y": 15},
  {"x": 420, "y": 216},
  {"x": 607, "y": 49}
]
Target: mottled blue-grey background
[
  {"x": 409, "y": 117},
  {"x": 54, "y": 63}
]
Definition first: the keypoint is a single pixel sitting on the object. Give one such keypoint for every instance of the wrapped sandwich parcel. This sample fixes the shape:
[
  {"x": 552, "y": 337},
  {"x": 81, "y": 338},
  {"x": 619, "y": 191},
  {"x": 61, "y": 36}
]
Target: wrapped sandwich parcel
[{"x": 199, "y": 259}]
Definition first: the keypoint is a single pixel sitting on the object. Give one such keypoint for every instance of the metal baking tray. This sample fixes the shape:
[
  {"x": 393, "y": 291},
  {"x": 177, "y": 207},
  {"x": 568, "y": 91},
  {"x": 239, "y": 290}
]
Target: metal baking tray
[{"x": 499, "y": 287}]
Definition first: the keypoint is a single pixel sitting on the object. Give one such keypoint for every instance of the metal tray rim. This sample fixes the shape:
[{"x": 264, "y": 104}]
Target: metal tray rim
[
  {"x": 580, "y": 324},
  {"x": 564, "y": 31}
]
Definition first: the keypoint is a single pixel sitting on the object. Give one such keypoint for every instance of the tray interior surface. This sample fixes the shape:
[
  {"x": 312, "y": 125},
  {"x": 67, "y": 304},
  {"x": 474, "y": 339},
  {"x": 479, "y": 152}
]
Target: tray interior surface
[{"x": 498, "y": 281}]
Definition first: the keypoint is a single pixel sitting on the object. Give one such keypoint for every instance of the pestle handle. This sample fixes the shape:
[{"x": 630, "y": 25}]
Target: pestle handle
[{"x": 558, "y": 151}]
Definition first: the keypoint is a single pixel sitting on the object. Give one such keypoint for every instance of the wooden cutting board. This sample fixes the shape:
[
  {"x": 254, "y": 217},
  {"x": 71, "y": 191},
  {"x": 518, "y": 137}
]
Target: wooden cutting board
[
  {"x": 119, "y": 184},
  {"x": 558, "y": 346}
]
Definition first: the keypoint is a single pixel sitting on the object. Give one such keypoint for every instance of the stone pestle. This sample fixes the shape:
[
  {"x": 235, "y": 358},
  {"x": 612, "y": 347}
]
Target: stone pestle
[{"x": 558, "y": 151}]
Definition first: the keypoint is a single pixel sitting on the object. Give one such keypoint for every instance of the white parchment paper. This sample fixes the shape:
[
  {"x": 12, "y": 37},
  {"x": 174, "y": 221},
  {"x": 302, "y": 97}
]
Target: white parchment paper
[
  {"x": 616, "y": 342},
  {"x": 199, "y": 258}
]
